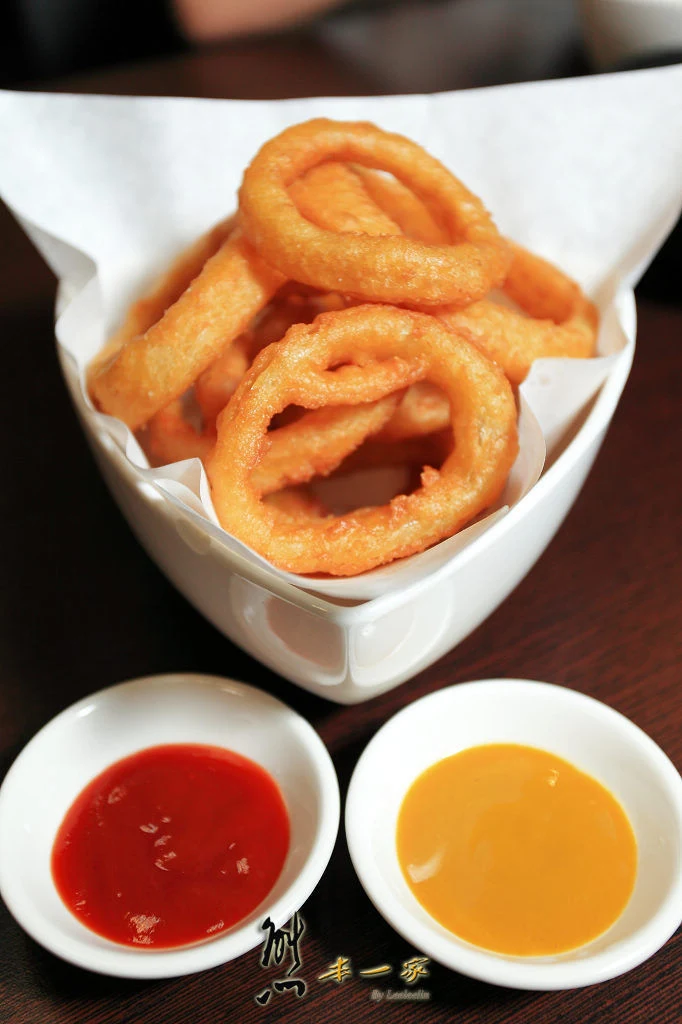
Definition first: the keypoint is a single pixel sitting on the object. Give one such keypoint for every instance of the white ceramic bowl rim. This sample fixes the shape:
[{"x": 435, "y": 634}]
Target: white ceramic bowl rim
[
  {"x": 538, "y": 973},
  {"x": 89, "y": 950}
]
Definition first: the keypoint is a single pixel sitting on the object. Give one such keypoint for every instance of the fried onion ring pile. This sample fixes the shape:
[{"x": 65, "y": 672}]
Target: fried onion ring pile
[
  {"x": 370, "y": 344},
  {"x": 344, "y": 320}
]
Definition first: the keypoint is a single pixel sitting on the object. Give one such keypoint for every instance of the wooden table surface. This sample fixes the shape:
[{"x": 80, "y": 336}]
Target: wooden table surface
[{"x": 84, "y": 608}]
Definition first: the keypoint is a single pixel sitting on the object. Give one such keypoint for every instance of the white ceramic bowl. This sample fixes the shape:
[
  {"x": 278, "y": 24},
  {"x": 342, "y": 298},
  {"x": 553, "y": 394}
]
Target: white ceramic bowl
[
  {"x": 350, "y": 653},
  {"x": 97, "y": 731},
  {"x": 622, "y": 30},
  {"x": 585, "y": 732}
]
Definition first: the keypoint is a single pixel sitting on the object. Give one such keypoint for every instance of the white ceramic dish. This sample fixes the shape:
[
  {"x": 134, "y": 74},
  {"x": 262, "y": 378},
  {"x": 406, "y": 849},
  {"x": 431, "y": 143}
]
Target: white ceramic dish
[
  {"x": 622, "y": 30},
  {"x": 350, "y": 653},
  {"x": 578, "y": 728},
  {"x": 100, "y": 729}
]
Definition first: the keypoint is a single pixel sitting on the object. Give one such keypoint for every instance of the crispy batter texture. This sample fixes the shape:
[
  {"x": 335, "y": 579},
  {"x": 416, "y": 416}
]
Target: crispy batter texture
[
  {"x": 171, "y": 438},
  {"x": 409, "y": 214},
  {"x": 319, "y": 441},
  {"x": 425, "y": 409},
  {"x": 368, "y": 344},
  {"x": 313, "y": 445},
  {"x": 343, "y": 188},
  {"x": 154, "y": 368},
  {"x": 166, "y": 290},
  {"x": 560, "y": 320},
  {"x": 206, "y": 300},
  {"x": 384, "y": 269},
  {"x": 289, "y": 308},
  {"x": 216, "y": 385},
  {"x": 333, "y": 195}
]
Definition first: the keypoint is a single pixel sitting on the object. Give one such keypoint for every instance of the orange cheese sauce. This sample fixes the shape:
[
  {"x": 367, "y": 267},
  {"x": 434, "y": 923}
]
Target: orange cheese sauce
[{"x": 516, "y": 850}]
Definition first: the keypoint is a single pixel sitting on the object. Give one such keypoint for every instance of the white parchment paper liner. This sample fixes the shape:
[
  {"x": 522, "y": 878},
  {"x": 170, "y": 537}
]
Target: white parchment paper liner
[{"x": 586, "y": 172}]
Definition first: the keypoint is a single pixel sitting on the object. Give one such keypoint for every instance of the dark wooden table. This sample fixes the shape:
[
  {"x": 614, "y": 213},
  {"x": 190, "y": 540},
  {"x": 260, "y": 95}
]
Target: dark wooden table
[{"x": 85, "y": 608}]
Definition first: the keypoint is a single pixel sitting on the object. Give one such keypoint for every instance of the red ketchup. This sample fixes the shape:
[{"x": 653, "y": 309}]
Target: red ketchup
[{"x": 171, "y": 845}]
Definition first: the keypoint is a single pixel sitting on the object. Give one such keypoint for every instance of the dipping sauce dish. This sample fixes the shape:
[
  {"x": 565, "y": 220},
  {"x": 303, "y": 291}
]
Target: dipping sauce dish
[
  {"x": 89, "y": 737},
  {"x": 593, "y": 738}
]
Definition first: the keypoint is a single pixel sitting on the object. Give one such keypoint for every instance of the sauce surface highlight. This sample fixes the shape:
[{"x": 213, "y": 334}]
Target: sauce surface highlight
[
  {"x": 516, "y": 850},
  {"x": 171, "y": 845}
]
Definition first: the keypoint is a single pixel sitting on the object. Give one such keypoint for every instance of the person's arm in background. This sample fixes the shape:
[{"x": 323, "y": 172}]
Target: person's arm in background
[{"x": 206, "y": 20}]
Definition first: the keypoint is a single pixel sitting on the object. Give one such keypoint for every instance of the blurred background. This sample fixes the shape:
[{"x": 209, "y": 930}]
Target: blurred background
[
  {"x": 263, "y": 48},
  {"x": 403, "y": 45}
]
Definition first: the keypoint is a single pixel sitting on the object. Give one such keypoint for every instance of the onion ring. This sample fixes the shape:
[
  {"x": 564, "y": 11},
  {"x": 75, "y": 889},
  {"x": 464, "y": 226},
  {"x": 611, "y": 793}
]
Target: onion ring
[
  {"x": 172, "y": 438},
  {"x": 423, "y": 410},
  {"x": 319, "y": 441},
  {"x": 391, "y": 269},
  {"x": 166, "y": 290},
  {"x": 402, "y": 207},
  {"x": 151, "y": 361},
  {"x": 216, "y": 385},
  {"x": 515, "y": 341},
  {"x": 560, "y": 320},
  {"x": 158, "y": 366},
  {"x": 333, "y": 195},
  {"x": 297, "y": 370},
  {"x": 293, "y": 308},
  {"x": 313, "y": 445},
  {"x": 344, "y": 189}
]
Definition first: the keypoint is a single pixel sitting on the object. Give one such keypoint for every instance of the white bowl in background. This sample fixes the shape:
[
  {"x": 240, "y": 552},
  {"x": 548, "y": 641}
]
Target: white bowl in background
[
  {"x": 624, "y": 30},
  {"x": 350, "y": 653},
  {"x": 593, "y": 737},
  {"x": 99, "y": 730}
]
